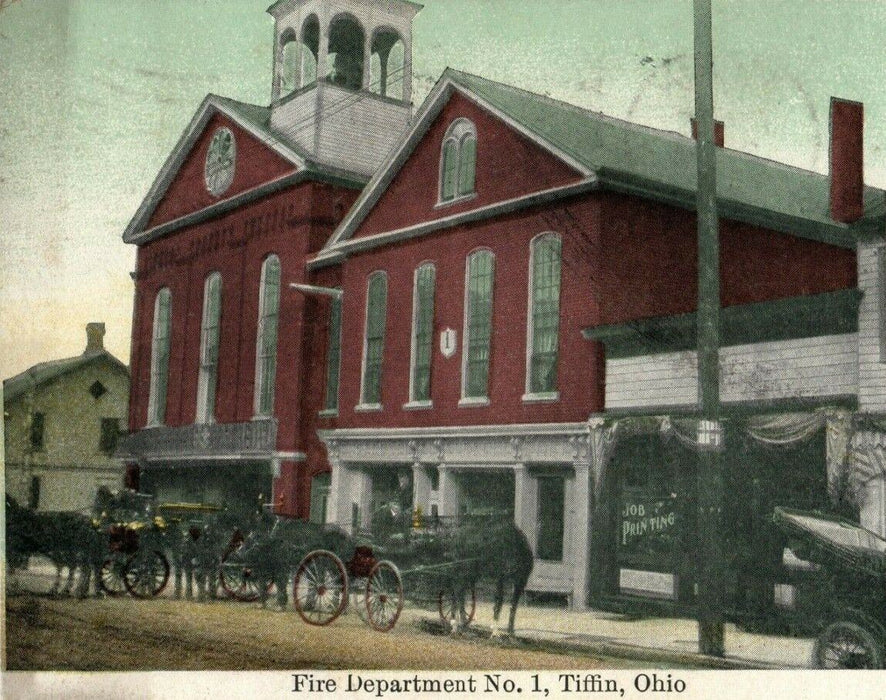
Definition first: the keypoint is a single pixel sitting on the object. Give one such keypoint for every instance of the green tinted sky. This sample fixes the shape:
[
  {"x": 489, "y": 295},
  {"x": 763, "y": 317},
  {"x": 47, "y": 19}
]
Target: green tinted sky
[{"x": 95, "y": 93}]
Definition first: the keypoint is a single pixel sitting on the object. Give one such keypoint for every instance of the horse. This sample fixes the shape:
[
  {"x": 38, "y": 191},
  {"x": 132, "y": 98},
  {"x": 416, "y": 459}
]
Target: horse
[{"x": 483, "y": 550}]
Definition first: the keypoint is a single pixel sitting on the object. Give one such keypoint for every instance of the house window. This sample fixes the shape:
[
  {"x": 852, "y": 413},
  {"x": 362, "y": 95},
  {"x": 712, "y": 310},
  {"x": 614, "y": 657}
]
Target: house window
[
  {"x": 422, "y": 332},
  {"x": 38, "y": 423},
  {"x": 209, "y": 333},
  {"x": 376, "y": 301},
  {"x": 160, "y": 357},
  {"x": 110, "y": 431},
  {"x": 478, "y": 325},
  {"x": 266, "y": 343},
  {"x": 458, "y": 161},
  {"x": 333, "y": 355},
  {"x": 551, "y": 491},
  {"x": 544, "y": 315}
]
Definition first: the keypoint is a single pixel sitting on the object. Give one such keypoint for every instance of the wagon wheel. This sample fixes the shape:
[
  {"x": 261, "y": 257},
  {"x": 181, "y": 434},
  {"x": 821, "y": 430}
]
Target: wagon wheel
[
  {"x": 320, "y": 588},
  {"x": 384, "y": 596},
  {"x": 146, "y": 574},
  {"x": 111, "y": 578},
  {"x": 450, "y": 607},
  {"x": 237, "y": 578},
  {"x": 847, "y": 645}
]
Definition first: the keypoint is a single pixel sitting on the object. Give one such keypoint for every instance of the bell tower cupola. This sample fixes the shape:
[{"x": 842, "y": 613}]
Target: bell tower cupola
[{"x": 342, "y": 84}]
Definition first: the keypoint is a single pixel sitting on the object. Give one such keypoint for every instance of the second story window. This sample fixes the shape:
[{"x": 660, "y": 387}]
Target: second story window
[
  {"x": 266, "y": 342},
  {"x": 38, "y": 424},
  {"x": 160, "y": 357},
  {"x": 478, "y": 325},
  {"x": 422, "y": 333},
  {"x": 209, "y": 333},
  {"x": 544, "y": 315},
  {"x": 108, "y": 434},
  {"x": 333, "y": 355},
  {"x": 458, "y": 161},
  {"x": 373, "y": 349}
]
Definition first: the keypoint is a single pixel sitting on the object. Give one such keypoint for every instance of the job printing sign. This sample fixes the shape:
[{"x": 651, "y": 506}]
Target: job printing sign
[{"x": 642, "y": 519}]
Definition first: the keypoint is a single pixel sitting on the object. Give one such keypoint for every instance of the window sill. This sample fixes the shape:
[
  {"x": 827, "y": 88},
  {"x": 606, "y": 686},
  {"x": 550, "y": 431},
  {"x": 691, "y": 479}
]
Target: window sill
[
  {"x": 328, "y": 413},
  {"x": 546, "y": 397},
  {"x": 473, "y": 401},
  {"x": 417, "y": 405},
  {"x": 366, "y": 407},
  {"x": 442, "y": 204}
]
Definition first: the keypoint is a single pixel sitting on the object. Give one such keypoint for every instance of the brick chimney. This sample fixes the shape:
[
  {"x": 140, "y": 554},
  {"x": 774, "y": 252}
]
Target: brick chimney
[
  {"x": 847, "y": 160},
  {"x": 95, "y": 334},
  {"x": 718, "y": 131}
]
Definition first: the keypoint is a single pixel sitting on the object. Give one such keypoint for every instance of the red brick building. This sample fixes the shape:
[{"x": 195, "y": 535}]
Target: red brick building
[{"x": 489, "y": 308}]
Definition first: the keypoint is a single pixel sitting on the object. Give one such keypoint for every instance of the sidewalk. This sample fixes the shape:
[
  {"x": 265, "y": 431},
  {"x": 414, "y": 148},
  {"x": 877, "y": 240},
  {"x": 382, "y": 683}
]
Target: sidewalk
[{"x": 655, "y": 639}]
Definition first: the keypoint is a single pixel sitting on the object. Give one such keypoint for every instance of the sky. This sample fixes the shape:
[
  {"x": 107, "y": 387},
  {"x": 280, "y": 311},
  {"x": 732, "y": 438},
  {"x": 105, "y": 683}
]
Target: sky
[{"x": 94, "y": 94}]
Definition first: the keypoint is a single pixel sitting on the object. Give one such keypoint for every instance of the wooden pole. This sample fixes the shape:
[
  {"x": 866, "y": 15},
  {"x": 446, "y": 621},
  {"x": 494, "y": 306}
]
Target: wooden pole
[{"x": 709, "y": 569}]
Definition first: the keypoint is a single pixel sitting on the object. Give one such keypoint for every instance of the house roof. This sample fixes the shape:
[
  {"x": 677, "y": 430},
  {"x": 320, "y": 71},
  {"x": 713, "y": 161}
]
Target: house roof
[
  {"x": 636, "y": 159},
  {"x": 254, "y": 119},
  {"x": 46, "y": 372}
]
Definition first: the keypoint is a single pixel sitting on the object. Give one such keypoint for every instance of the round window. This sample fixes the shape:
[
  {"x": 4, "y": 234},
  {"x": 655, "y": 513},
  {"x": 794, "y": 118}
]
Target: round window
[{"x": 219, "y": 171}]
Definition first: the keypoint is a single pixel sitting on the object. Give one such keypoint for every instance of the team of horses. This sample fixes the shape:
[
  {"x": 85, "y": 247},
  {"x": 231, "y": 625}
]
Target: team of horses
[{"x": 477, "y": 550}]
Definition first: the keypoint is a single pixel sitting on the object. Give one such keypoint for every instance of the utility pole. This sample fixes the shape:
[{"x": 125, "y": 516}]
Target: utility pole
[{"x": 709, "y": 478}]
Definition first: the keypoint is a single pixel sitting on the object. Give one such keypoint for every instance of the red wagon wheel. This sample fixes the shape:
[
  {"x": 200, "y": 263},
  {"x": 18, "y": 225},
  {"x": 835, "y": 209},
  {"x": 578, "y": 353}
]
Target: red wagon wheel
[
  {"x": 450, "y": 606},
  {"x": 146, "y": 574},
  {"x": 320, "y": 588},
  {"x": 384, "y": 596},
  {"x": 111, "y": 577}
]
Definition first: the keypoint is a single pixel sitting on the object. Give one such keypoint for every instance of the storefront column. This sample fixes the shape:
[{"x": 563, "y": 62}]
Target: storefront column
[
  {"x": 361, "y": 500},
  {"x": 338, "y": 507},
  {"x": 421, "y": 491},
  {"x": 449, "y": 493},
  {"x": 523, "y": 510},
  {"x": 578, "y": 511}
]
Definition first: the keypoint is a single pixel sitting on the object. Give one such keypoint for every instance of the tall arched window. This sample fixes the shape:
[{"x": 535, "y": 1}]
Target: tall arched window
[
  {"x": 477, "y": 340},
  {"x": 422, "y": 333},
  {"x": 458, "y": 161},
  {"x": 543, "y": 325},
  {"x": 345, "y": 57},
  {"x": 266, "y": 344},
  {"x": 160, "y": 357},
  {"x": 374, "y": 345},
  {"x": 387, "y": 64},
  {"x": 209, "y": 334},
  {"x": 333, "y": 355},
  {"x": 310, "y": 49},
  {"x": 289, "y": 56}
]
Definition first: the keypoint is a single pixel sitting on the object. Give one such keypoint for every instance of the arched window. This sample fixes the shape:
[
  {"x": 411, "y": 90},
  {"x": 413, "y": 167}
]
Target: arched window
[
  {"x": 458, "y": 160},
  {"x": 422, "y": 333},
  {"x": 310, "y": 50},
  {"x": 387, "y": 64},
  {"x": 543, "y": 325},
  {"x": 333, "y": 355},
  {"x": 266, "y": 344},
  {"x": 374, "y": 344},
  {"x": 160, "y": 357},
  {"x": 209, "y": 334},
  {"x": 289, "y": 55},
  {"x": 345, "y": 58},
  {"x": 477, "y": 340}
]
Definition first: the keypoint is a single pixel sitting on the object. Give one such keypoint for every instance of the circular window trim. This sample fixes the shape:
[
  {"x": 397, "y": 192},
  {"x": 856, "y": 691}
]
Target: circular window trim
[{"x": 218, "y": 172}]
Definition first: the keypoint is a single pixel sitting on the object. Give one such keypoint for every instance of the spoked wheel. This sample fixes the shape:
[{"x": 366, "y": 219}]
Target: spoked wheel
[
  {"x": 146, "y": 574},
  {"x": 450, "y": 606},
  {"x": 847, "y": 645},
  {"x": 384, "y": 596},
  {"x": 320, "y": 589},
  {"x": 111, "y": 578},
  {"x": 237, "y": 577}
]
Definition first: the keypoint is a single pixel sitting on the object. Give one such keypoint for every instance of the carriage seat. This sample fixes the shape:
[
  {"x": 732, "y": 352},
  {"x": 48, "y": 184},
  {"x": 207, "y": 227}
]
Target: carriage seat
[{"x": 362, "y": 562}]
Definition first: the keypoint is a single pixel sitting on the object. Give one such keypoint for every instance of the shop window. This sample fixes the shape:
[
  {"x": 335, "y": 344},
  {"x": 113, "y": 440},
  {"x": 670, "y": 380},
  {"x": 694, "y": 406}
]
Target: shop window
[
  {"x": 108, "y": 435},
  {"x": 478, "y": 325},
  {"x": 333, "y": 355},
  {"x": 458, "y": 161},
  {"x": 266, "y": 345},
  {"x": 38, "y": 423},
  {"x": 373, "y": 350},
  {"x": 544, "y": 315},
  {"x": 209, "y": 336},
  {"x": 160, "y": 357},
  {"x": 551, "y": 518},
  {"x": 422, "y": 333}
]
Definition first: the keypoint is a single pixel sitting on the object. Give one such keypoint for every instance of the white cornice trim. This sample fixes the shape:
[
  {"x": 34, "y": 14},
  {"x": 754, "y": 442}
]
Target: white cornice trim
[
  {"x": 191, "y": 133},
  {"x": 461, "y": 431}
]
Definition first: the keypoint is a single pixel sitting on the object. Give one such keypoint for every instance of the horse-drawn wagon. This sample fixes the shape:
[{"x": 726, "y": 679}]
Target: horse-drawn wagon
[{"x": 849, "y": 585}]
